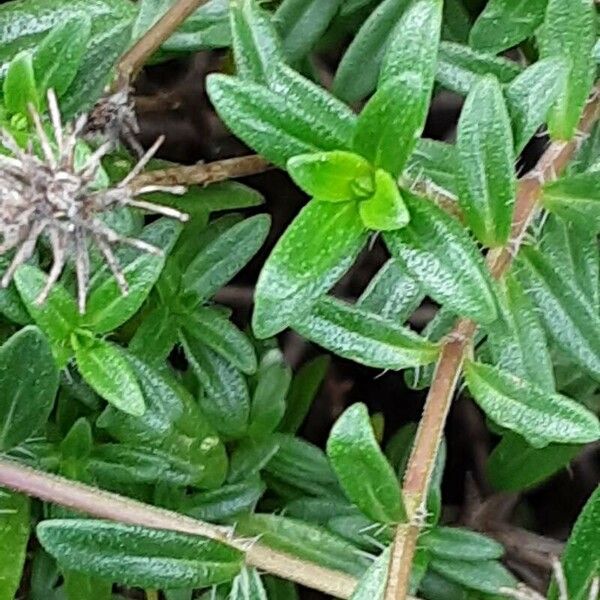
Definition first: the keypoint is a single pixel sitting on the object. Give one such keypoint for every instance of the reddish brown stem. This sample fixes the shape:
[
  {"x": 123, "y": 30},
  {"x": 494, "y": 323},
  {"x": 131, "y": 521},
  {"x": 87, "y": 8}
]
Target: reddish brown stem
[
  {"x": 449, "y": 365},
  {"x": 106, "y": 505},
  {"x": 133, "y": 60},
  {"x": 204, "y": 174}
]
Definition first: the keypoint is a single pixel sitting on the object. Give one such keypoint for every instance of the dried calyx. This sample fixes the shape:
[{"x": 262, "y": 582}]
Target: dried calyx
[{"x": 49, "y": 195}]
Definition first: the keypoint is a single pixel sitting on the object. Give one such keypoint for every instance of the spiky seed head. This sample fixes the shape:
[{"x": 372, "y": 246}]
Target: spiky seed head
[{"x": 49, "y": 195}]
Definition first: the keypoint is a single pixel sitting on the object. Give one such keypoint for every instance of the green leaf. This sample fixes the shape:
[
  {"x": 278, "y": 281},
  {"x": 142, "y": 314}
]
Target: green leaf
[
  {"x": 104, "y": 367},
  {"x": 303, "y": 389},
  {"x": 225, "y": 256},
  {"x": 515, "y": 465},
  {"x": 391, "y": 122},
  {"x": 57, "y": 318},
  {"x": 437, "y": 587},
  {"x": 530, "y": 96},
  {"x": 308, "y": 259},
  {"x": 304, "y": 541},
  {"x": 438, "y": 253},
  {"x": 573, "y": 251},
  {"x": 206, "y": 28},
  {"x": 487, "y": 576},
  {"x": 106, "y": 46},
  {"x": 303, "y": 466},
  {"x": 456, "y": 23},
  {"x": 14, "y": 535},
  {"x": 392, "y": 294},
  {"x": 460, "y": 67},
  {"x": 227, "y": 195},
  {"x": 517, "y": 340},
  {"x": 302, "y": 23},
  {"x": 567, "y": 313},
  {"x": 569, "y": 32},
  {"x": 364, "y": 337},
  {"x": 172, "y": 423},
  {"x": 28, "y": 385},
  {"x": 576, "y": 199},
  {"x": 486, "y": 176},
  {"x": 384, "y": 210},
  {"x": 57, "y": 59},
  {"x": 225, "y": 503},
  {"x": 19, "y": 88},
  {"x": 506, "y": 23},
  {"x": 24, "y": 25},
  {"x": 336, "y": 176},
  {"x": 276, "y": 123},
  {"x": 225, "y": 400},
  {"x": 580, "y": 560},
  {"x": 358, "y": 71},
  {"x": 256, "y": 45},
  {"x": 156, "y": 336},
  {"x": 77, "y": 444},
  {"x": 435, "y": 163},
  {"x": 360, "y": 531},
  {"x": 268, "y": 400},
  {"x": 250, "y": 457},
  {"x": 248, "y": 586},
  {"x": 539, "y": 416},
  {"x": 414, "y": 45},
  {"x": 137, "y": 556},
  {"x": 212, "y": 327},
  {"x": 127, "y": 464},
  {"x": 452, "y": 542},
  {"x": 364, "y": 472},
  {"x": 373, "y": 583}
]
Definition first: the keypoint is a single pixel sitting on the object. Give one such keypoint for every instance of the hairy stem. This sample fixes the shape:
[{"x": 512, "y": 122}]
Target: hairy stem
[
  {"x": 133, "y": 60},
  {"x": 106, "y": 505},
  {"x": 204, "y": 174},
  {"x": 449, "y": 365}
]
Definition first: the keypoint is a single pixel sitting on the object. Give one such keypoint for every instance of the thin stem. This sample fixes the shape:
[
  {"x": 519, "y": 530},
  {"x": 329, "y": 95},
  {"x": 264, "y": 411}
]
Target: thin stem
[
  {"x": 106, "y": 505},
  {"x": 133, "y": 60},
  {"x": 203, "y": 174},
  {"x": 449, "y": 365}
]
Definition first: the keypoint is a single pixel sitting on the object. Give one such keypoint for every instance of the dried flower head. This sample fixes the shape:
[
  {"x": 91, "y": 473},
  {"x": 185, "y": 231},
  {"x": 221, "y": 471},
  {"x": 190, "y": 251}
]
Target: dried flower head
[
  {"x": 52, "y": 196},
  {"x": 113, "y": 118}
]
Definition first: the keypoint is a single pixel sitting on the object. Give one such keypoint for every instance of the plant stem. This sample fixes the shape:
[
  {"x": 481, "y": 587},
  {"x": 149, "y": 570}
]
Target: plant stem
[
  {"x": 106, "y": 505},
  {"x": 449, "y": 365},
  {"x": 133, "y": 60},
  {"x": 204, "y": 174}
]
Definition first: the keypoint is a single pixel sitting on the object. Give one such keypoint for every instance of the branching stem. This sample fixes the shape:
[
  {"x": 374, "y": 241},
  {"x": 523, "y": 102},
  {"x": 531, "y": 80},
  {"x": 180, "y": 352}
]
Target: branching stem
[{"x": 449, "y": 365}]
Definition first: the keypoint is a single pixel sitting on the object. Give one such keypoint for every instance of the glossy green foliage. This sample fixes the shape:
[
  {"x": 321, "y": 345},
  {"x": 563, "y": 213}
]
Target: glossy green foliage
[
  {"x": 392, "y": 293},
  {"x": 19, "y": 88},
  {"x": 576, "y": 199},
  {"x": 248, "y": 586},
  {"x": 26, "y": 395},
  {"x": 302, "y": 23},
  {"x": 138, "y": 556},
  {"x": 530, "y": 96},
  {"x": 364, "y": 337},
  {"x": 359, "y": 68},
  {"x": 303, "y": 266},
  {"x": 580, "y": 560},
  {"x": 437, "y": 251},
  {"x": 372, "y": 584},
  {"x": 566, "y": 311},
  {"x": 14, "y": 535},
  {"x": 305, "y": 541},
  {"x": 517, "y": 341},
  {"x": 505, "y": 23},
  {"x": 569, "y": 31},
  {"x": 486, "y": 175},
  {"x": 452, "y": 542},
  {"x": 516, "y": 465},
  {"x": 460, "y": 67},
  {"x": 539, "y": 416},
  {"x": 364, "y": 472}
]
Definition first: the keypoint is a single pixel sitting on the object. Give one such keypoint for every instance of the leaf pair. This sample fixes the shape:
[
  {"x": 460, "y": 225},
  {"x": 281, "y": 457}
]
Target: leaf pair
[
  {"x": 101, "y": 363},
  {"x": 340, "y": 176}
]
